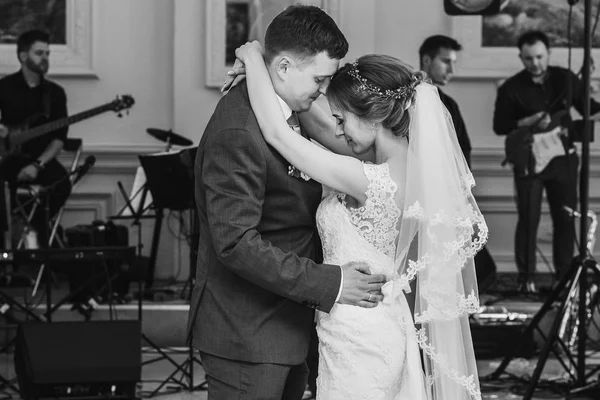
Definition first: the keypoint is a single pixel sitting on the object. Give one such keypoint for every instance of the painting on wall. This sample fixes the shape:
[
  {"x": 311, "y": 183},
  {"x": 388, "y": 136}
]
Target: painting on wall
[
  {"x": 69, "y": 23},
  {"x": 21, "y": 15},
  {"x": 231, "y": 23},
  {"x": 490, "y": 42},
  {"x": 548, "y": 16},
  {"x": 237, "y": 18}
]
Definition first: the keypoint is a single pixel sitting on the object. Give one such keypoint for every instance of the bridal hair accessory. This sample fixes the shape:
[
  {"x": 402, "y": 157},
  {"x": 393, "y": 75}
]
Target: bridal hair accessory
[{"x": 401, "y": 93}]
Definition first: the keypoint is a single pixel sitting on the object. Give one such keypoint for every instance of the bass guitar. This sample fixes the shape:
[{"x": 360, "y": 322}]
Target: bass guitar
[{"x": 15, "y": 136}]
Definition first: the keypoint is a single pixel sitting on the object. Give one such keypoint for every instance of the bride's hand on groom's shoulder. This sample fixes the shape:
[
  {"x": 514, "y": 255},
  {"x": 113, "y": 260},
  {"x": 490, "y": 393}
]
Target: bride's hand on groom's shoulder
[
  {"x": 249, "y": 49},
  {"x": 237, "y": 73},
  {"x": 360, "y": 287}
]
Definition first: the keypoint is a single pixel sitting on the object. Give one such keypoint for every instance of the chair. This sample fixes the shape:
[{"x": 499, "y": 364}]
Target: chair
[{"x": 31, "y": 193}]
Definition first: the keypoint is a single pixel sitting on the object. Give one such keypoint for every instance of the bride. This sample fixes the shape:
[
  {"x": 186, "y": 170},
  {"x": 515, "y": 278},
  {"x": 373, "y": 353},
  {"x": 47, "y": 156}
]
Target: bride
[{"x": 410, "y": 215}]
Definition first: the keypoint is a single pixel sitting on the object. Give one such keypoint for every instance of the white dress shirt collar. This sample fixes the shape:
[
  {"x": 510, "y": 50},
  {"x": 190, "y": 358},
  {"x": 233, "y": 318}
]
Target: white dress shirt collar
[{"x": 287, "y": 111}]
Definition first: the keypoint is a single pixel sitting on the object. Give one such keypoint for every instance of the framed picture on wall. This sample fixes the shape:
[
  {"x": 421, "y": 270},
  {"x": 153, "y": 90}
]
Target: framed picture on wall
[
  {"x": 231, "y": 23},
  {"x": 69, "y": 23},
  {"x": 490, "y": 42}
]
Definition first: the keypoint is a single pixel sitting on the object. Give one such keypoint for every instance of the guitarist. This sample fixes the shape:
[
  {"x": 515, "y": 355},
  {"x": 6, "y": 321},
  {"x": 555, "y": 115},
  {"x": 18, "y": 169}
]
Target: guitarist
[
  {"x": 527, "y": 101},
  {"x": 27, "y": 97}
]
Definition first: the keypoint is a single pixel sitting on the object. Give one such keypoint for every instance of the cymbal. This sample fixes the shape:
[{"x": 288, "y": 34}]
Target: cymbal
[{"x": 169, "y": 137}]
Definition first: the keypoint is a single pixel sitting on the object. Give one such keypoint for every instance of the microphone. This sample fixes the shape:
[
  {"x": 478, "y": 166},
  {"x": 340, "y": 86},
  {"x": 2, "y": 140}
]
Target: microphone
[{"x": 88, "y": 163}]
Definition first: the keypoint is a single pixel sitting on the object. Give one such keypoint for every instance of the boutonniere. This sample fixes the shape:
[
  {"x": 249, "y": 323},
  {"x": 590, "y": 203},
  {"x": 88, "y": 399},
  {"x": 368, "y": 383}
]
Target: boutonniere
[{"x": 296, "y": 173}]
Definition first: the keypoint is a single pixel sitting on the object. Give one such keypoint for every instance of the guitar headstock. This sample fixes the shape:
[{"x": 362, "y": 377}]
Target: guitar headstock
[{"x": 123, "y": 102}]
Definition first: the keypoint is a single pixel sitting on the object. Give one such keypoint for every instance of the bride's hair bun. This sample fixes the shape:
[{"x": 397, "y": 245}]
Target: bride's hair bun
[
  {"x": 377, "y": 88},
  {"x": 417, "y": 78}
]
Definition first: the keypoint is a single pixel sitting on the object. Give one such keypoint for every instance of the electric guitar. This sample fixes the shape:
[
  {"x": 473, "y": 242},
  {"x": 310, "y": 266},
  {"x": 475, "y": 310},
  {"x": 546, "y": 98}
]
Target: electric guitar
[
  {"x": 542, "y": 144},
  {"x": 34, "y": 127}
]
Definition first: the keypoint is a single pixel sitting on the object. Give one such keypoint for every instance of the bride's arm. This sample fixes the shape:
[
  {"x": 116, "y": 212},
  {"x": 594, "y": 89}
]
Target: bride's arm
[
  {"x": 342, "y": 173},
  {"x": 321, "y": 128},
  {"x": 316, "y": 124}
]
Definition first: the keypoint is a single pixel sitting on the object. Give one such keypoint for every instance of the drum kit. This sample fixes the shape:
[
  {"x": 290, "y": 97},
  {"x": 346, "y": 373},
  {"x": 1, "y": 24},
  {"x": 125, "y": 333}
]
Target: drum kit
[{"x": 169, "y": 137}]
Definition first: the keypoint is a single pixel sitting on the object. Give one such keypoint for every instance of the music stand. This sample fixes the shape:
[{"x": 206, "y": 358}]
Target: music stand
[
  {"x": 170, "y": 182},
  {"x": 137, "y": 205}
]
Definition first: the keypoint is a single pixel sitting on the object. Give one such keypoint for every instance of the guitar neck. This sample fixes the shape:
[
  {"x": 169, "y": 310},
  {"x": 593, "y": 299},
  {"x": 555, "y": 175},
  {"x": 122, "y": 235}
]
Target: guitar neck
[{"x": 24, "y": 136}]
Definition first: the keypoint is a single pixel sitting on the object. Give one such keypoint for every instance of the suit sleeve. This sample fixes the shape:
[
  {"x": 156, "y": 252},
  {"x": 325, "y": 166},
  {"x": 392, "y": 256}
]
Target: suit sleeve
[{"x": 234, "y": 173}]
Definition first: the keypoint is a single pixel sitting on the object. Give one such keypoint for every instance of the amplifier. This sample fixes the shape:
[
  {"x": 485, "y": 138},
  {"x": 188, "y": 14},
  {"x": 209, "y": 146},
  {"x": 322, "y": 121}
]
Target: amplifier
[{"x": 496, "y": 332}]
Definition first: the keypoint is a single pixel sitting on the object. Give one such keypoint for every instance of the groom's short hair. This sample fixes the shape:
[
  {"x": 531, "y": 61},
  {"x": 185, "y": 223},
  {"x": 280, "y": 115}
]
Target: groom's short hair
[{"x": 306, "y": 31}]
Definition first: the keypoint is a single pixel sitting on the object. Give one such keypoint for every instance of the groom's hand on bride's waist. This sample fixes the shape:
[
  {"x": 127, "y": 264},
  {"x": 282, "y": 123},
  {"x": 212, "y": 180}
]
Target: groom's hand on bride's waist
[{"x": 360, "y": 287}]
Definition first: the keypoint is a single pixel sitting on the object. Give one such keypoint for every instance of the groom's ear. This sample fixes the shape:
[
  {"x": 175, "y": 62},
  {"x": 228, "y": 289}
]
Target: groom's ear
[{"x": 282, "y": 66}]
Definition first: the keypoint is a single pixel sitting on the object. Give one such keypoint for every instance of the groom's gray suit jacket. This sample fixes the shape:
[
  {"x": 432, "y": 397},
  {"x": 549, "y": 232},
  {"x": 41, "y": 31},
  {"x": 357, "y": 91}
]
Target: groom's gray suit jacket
[{"x": 256, "y": 281}]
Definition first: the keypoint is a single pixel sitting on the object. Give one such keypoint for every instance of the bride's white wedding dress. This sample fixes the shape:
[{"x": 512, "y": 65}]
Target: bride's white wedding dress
[{"x": 366, "y": 353}]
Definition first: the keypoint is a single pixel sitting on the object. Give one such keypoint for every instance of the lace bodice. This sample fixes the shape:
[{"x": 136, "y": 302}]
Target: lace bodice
[
  {"x": 366, "y": 353},
  {"x": 344, "y": 231}
]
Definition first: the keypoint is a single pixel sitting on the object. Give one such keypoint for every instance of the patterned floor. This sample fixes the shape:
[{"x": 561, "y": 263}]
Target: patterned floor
[
  {"x": 163, "y": 321},
  {"x": 154, "y": 375}
]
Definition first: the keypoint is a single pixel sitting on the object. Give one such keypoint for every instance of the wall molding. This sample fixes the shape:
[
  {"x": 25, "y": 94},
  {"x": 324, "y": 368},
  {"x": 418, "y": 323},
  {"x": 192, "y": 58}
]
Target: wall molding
[
  {"x": 100, "y": 204},
  {"x": 119, "y": 159},
  {"x": 97, "y": 197},
  {"x": 113, "y": 159},
  {"x": 486, "y": 162},
  {"x": 114, "y": 162},
  {"x": 505, "y": 204}
]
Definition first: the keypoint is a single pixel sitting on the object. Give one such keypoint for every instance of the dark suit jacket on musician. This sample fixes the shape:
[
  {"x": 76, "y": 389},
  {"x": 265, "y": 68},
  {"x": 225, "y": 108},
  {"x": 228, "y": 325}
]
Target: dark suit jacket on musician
[{"x": 256, "y": 281}]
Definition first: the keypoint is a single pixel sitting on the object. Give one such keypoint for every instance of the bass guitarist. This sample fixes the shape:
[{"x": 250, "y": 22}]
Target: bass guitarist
[
  {"x": 526, "y": 103},
  {"x": 28, "y": 98}
]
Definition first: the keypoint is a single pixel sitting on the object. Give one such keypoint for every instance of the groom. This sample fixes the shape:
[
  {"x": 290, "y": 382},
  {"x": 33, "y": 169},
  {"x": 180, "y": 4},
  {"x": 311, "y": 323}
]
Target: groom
[{"x": 257, "y": 280}]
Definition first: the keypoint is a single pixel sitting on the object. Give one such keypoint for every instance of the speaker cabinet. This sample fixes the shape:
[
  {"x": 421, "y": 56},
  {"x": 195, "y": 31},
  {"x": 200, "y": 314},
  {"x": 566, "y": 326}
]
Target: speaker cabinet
[{"x": 76, "y": 360}]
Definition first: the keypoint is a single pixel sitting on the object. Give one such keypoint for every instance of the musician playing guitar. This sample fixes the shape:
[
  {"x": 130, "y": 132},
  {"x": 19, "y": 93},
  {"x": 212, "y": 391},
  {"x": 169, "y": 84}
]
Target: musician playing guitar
[
  {"x": 532, "y": 101},
  {"x": 27, "y": 97}
]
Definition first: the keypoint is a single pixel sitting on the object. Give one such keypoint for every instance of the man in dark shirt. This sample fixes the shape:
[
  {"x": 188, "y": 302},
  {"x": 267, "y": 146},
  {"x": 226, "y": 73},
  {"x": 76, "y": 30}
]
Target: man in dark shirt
[
  {"x": 529, "y": 99},
  {"x": 27, "y": 97},
  {"x": 437, "y": 57}
]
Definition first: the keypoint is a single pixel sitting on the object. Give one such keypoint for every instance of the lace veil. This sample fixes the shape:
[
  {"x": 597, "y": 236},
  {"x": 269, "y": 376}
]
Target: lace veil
[{"x": 440, "y": 231}]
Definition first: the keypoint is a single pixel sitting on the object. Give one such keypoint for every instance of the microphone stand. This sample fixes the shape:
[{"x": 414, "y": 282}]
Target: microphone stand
[{"x": 37, "y": 195}]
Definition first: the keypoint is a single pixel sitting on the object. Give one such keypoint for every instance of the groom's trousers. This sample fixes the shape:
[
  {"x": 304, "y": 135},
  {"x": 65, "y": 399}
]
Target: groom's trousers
[{"x": 233, "y": 379}]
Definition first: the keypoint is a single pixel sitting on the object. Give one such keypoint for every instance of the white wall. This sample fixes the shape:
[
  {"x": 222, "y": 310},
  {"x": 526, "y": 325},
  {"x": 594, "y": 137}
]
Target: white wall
[
  {"x": 133, "y": 54},
  {"x": 133, "y": 51},
  {"x": 155, "y": 50}
]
